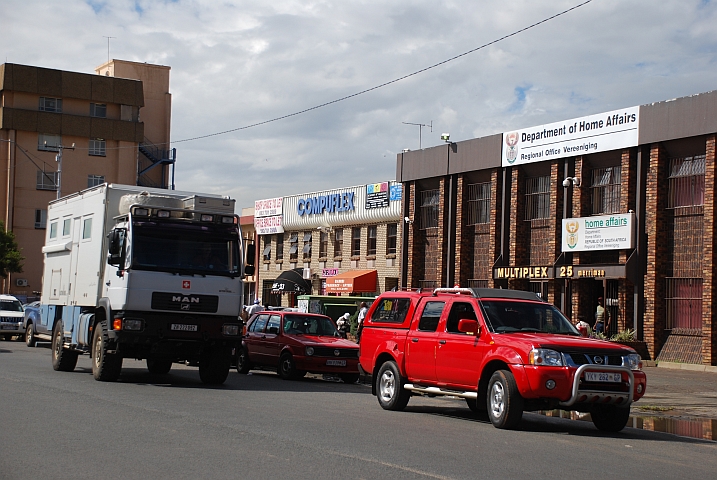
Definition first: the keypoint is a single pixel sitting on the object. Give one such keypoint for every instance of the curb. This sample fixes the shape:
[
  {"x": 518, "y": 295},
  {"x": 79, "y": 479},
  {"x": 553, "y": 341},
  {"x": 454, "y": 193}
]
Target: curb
[{"x": 687, "y": 366}]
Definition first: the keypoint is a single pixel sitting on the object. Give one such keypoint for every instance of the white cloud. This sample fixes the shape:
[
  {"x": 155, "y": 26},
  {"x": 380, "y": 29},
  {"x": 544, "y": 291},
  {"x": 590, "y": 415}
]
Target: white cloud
[{"x": 238, "y": 63}]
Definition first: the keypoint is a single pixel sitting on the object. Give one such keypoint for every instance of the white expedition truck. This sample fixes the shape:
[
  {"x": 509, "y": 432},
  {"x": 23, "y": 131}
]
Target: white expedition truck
[{"x": 143, "y": 273}]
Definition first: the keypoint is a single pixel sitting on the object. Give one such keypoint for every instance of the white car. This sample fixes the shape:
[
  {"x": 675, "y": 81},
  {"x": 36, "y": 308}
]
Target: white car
[{"x": 11, "y": 318}]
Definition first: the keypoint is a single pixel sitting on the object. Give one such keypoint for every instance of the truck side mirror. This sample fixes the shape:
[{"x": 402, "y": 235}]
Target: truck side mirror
[
  {"x": 250, "y": 254},
  {"x": 469, "y": 326},
  {"x": 249, "y": 270},
  {"x": 116, "y": 250}
]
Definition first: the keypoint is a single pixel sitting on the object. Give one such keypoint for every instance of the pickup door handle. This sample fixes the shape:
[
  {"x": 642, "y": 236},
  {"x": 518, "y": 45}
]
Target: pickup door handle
[
  {"x": 442, "y": 342},
  {"x": 414, "y": 340}
]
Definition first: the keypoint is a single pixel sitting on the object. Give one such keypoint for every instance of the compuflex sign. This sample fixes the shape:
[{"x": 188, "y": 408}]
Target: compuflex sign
[{"x": 339, "y": 202}]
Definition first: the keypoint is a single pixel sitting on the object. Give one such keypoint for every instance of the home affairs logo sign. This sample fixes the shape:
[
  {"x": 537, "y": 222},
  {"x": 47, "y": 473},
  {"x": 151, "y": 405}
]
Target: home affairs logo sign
[{"x": 579, "y": 136}]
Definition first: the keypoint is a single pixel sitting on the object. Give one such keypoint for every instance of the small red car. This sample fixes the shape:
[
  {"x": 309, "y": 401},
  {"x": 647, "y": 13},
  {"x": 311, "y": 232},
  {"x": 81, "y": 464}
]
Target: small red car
[{"x": 296, "y": 343}]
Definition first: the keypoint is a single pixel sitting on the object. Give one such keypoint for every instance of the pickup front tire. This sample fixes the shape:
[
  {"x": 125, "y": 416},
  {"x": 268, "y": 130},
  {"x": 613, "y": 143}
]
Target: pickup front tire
[
  {"x": 609, "y": 418},
  {"x": 505, "y": 405},
  {"x": 389, "y": 389}
]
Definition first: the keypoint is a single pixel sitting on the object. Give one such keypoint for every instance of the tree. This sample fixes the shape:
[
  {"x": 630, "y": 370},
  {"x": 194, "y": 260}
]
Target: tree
[{"x": 10, "y": 258}]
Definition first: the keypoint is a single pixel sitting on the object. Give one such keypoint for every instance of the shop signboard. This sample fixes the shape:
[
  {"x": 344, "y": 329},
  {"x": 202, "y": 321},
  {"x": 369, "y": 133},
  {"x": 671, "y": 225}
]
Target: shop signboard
[
  {"x": 603, "y": 232},
  {"x": 269, "y": 225},
  {"x": 268, "y": 207},
  {"x": 580, "y": 136},
  {"x": 377, "y": 195}
]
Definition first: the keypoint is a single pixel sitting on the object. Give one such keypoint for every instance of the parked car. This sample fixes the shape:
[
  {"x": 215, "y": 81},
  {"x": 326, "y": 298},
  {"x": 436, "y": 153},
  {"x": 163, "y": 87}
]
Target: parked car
[
  {"x": 296, "y": 343},
  {"x": 32, "y": 318},
  {"x": 11, "y": 317},
  {"x": 504, "y": 351}
]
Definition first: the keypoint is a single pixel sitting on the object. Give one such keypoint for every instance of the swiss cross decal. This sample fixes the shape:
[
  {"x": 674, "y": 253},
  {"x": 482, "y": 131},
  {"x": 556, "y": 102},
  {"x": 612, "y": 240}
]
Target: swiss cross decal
[{"x": 186, "y": 284}]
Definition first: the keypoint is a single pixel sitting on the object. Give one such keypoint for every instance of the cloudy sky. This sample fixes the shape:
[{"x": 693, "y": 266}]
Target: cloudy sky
[{"x": 236, "y": 63}]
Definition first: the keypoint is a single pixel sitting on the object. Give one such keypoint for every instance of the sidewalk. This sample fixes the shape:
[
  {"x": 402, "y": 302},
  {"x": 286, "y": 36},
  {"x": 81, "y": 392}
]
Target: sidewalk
[{"x": 678, "y": 392}]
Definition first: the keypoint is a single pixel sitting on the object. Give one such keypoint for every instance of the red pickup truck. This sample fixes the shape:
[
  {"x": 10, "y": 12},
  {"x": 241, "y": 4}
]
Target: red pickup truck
[{"x": 506, "y": 351}]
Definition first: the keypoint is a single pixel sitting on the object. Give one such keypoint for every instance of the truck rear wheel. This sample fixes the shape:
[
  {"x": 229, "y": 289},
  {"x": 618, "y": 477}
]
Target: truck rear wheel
[
  {"x": 159, "y": 366},
  {"x": 63, "y": 359},
  {"x": 214, "y": 366},
  {"x": 505, "y": 405},
  {"x": 106, "y": 366},
  {"x": 610, "y": 418},
  {"x": 391, "y": 394}
]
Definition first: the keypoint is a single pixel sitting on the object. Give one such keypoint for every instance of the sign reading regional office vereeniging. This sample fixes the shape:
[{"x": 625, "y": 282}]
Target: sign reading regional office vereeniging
[
  {"x": 579, "y": 136},
  {"x": 604, "y": 232}
]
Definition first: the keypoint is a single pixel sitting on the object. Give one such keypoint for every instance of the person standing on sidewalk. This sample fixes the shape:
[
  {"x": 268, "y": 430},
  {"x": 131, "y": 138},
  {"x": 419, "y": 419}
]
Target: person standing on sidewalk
[
  {"x": 363, "y": 308},
  {"x": 256, "y": 308},
  {"x": 600, "y": 317}
]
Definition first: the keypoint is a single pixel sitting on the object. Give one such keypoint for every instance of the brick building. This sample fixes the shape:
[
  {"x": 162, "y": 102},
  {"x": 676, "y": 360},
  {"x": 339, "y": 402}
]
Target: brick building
[
  {"x": 618, "y": 205},
  {"x": 340, "y": 241},
  {"x": 93, "y": 121}
]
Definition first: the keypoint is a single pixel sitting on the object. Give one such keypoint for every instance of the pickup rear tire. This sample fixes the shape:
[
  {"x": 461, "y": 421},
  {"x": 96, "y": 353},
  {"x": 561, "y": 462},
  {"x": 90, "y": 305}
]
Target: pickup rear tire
[
  {"x": 243, "y": 363},
  {"x": 106, "y": 367},
  {"x": 159, "y": 366},
  {"x": 63, "y": 359},
  {"x": 389, "y": 390},
  {"x": 505, "y": 405},
  {"x": 30, "y": 339},
  {"x": 609, "y": 418},
  {"x": 214, "y": 365}
]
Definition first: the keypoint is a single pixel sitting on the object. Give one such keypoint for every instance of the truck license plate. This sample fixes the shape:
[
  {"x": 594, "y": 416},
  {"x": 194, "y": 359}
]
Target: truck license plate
[
  {"x": 335, "y": 363},
  {"x": 184, "y": 327},
  {"x": 603, "y": 377}
]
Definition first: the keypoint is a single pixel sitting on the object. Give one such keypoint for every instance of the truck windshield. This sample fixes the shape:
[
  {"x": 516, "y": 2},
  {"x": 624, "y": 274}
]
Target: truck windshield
[
  {"x": 507, "y": 316},
  {"x": 185, "y": 248}
]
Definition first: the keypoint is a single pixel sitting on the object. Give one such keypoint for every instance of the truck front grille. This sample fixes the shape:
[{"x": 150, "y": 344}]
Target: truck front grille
[{"x": 183, "y": 302}]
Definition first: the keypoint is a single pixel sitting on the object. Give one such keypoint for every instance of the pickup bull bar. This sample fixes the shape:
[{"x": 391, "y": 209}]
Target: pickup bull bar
[{"x": 600, "y": 396}]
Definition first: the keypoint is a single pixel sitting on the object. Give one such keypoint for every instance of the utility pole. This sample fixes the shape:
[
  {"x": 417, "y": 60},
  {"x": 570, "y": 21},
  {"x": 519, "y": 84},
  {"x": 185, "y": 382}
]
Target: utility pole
[
  {"x": 108, "y": 47},
  {"x": 58, "y": 159},
  {"x": 420, "y": 129}
]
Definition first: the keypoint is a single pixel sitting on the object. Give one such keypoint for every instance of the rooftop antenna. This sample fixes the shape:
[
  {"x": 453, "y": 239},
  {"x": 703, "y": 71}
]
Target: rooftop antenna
[
  {"x": 108, "y": 47},
  {"x": 420, "y": 129}
]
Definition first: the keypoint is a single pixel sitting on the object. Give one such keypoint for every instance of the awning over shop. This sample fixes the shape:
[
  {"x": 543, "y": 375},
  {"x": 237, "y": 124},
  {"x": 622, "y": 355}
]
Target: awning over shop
[
  {"x": 291, "y": 281},
  {"x": 353, "y": 281}
]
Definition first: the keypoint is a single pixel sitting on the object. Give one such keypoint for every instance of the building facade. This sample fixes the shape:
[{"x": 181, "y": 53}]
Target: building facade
[
  {"x": 62, "y": 132},
  {"x": 618, "y": 205},
  {"x": 339, "y": 241}
]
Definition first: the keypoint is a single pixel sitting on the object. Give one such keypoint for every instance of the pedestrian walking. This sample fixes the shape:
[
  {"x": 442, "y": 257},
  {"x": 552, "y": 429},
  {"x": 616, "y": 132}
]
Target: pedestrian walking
[
  {"x": 255, "y": 308},
  {"x": 601, "y": 317},
  {"x": 363, "y": 308}
]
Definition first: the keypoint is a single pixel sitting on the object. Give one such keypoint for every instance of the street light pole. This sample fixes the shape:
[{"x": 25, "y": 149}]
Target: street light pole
[{"x": 58, "y": 159}]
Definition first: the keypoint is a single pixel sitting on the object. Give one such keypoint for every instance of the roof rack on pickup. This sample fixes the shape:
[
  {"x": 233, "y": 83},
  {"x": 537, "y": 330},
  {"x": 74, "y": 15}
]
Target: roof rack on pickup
[{"x": 490, "y": 293}]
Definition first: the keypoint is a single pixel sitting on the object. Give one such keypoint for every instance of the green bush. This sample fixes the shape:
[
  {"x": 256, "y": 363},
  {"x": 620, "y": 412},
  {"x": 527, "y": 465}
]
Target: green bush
[{"x": 624, "y": 336}]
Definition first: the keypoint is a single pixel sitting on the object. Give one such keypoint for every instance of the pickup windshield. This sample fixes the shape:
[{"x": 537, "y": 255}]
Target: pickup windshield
[
  {"x": 185, "y": 248},
  {"x": 10, "y": 306},
  {"x": 508, "y": 316}
]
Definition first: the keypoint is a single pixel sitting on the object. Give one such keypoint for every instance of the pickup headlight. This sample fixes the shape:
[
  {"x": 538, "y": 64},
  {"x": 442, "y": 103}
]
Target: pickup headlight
[
  {"x": 544, "y": 356},
  {"x": 632, "y": 361}
]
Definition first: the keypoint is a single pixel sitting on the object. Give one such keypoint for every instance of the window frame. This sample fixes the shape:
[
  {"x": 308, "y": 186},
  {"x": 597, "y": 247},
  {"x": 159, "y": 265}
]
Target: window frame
[
  {"x": 429, "y": 208},
  {"x": 45, "y": 104},
  {"x": 94, "y": 180},
  {"x": 338, "y": 242},
  {"x": 356, "y": 241},
  {"x": 605, "y": 190},
  {"x": 43, "y": 179},
  {"x": 98, "y": 110},
  {"x": 391, "y": 239},
  {"x": 537, "y": 198},
  {"x": 479, "y": 197},
  {"x": 40, "y": 218},
  {"x": 97, "y": 147},
  {"x": 43, "y": 144}
]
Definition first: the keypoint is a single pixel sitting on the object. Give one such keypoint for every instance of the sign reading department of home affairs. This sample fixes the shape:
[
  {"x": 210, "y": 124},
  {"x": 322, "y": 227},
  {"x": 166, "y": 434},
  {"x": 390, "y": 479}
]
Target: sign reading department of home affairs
[
  {"x": 377, "y": 195},
  {"x": 604, "y": 232},
  {"x": 569, "y": 138}
]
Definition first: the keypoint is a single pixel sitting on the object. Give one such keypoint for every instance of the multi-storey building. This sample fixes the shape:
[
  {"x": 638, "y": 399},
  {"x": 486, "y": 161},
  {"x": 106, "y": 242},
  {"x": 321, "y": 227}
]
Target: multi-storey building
[
  {"x": 340, "y": 241},
  {"x": 617, "y": 205},
  {"x": 62, "y": 132}
]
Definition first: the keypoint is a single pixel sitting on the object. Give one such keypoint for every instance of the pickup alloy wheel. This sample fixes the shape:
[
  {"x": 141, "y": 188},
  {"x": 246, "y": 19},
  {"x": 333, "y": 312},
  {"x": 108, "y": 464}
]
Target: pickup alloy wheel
[
  {"x": 505, "y": 405},
  {"x": 30, "y": 339},
  {"x": 63, "y": 359},
  {"x": 391, "y": 394},
  {"x": 610, "y": 418},
  {"x": 106, "y": 367}
]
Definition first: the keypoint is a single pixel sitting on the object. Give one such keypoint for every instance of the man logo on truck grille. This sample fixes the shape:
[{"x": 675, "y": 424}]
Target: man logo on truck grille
[{"x": 185, "y": 300}]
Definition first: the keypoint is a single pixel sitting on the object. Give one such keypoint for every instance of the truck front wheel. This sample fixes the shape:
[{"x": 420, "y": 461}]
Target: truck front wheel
[
  {"x": 505, "y": 405},
  {"x": 391, "y": 394},
  {"x": 63, "y": 359},
  {"x": 214, "y": 365},
  {"x": 609, "y": 418},
  {"x": 106, "y": 366}
]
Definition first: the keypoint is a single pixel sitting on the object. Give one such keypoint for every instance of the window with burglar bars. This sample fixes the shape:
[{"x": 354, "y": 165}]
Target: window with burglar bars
[
  {"x": 478, "y": 203},
  {"x": 279, "y": 246},
  {"x": 605, "y": 189},
  {"x": 686, "y": 182},
  {"x": 338, "y": 242},
  {"x": 323, "y": 244},
  {"x": 307, "y": 246},
  {"x": 684, "y": 303},
  {"x": 356, "y": 241},
  {"x": 429, "y": 209},
  {"x": 47, "y": 180},
  {"x": 537, "y": 198},
  {"x": 391, "y": 238}
]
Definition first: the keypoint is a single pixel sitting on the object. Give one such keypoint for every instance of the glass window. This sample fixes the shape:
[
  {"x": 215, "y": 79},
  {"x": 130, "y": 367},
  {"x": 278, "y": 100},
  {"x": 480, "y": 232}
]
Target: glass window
[
  {"x": 323, "y": 244},
  {"x": 356, "y": 241},
  {"x": 48, "y": 143},
  {"x": 87, "y": 228},
  {"x": 94, "y": 180},
  {"x": 430, "y": 316},
  {"x": 338, "y": 242},
  {"x": 66, "y": 227},
  {"x": 537, "y": 198},
  {"x": 686, "y": 182},
  {"x": 274, "y": 323},
  {"x": 307, "y": 246},
  {"x": 605, "y": 189},
  {"x": 98, "y": 147},
  {"x": 430, "y": 201},
  {"x": 266, "y": 254},
  {"x": 259, "y": 324},
  {"x": 371, "y": 240},
  {"x": 459, "y": 311},
  {"x": 478, "y": 203},
  {"x": 46, "y": 180},
  {"x": 392, "y": 310},
  {"x": 40, "y": 218},
  {"x": 279, "y": 246},
  {"x": 49, "y": 104},
  {"x": 53, "y": 230},
  {"x": 293, "y": 246},
  {"x": 391, "y": 237},
  {"x": 98, "y": 110}
]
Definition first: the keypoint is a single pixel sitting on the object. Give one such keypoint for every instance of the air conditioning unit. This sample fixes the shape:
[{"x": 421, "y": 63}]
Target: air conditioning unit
[{"x": 21, "y": 282}]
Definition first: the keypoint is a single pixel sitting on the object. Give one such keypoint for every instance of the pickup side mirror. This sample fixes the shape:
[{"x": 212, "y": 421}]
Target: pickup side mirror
[{"x": 469, "y": 326}]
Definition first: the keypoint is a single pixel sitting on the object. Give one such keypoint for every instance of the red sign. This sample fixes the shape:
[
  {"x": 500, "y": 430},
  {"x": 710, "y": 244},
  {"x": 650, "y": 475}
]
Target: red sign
[{"x": 186, "y": 284}]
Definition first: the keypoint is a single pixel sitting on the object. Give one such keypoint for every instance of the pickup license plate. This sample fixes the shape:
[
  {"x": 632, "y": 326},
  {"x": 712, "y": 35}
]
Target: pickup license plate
[
  {"x": 603, "y": 377},
  {"x": 182, "y": 327},
  {"x": 8, "y": 327},
  {"x": 335, "y": 363}
]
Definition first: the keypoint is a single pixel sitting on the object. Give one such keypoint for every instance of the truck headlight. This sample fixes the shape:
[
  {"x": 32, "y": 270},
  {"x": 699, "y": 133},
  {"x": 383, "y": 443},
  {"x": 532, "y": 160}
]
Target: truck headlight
[
  {"x": 229, "y": 329},
  {"x": 309, "y": 351},
  {"x": 132, "y": 324},
  {"x": 632, "y": 361},
  {"x": 545, "y": 356}
]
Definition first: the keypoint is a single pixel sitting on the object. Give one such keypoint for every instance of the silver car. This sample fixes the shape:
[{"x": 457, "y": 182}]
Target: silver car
[{"x": 11, "y": 318}]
